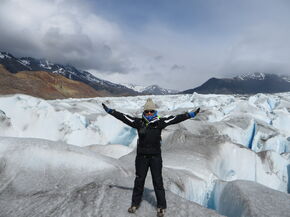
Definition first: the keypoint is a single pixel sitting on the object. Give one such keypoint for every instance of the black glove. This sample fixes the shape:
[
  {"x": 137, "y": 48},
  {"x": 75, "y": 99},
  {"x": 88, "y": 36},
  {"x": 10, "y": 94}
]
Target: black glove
[
  {"x": 196, "y": 111},
  {"x": 108, "y": 110}
]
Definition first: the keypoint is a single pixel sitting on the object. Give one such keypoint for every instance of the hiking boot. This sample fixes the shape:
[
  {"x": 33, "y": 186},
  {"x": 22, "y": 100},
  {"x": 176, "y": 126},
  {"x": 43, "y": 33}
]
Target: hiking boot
[
  {"x": 133, "y": 209},
  {"x": 160, "y": 212}
]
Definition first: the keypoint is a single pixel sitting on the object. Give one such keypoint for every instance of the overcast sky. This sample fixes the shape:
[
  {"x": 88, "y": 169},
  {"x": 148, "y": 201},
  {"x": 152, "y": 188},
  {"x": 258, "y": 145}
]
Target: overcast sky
[{"x": 177, "y": 44}]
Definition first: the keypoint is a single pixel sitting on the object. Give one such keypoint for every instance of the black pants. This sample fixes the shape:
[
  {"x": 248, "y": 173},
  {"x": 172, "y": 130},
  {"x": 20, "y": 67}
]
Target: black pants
[{"x": 142, "y": 164}]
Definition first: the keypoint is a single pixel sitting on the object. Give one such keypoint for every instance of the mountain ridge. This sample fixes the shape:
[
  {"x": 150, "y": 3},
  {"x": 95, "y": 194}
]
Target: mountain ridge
[
  {"x": 151, "y": 89},
  {"x": 15, "y": 65},
  {"x": 249, "y": 83}
]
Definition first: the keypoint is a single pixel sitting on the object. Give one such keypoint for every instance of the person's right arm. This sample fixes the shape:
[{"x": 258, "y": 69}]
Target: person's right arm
[{"x": 131, "y": 121}]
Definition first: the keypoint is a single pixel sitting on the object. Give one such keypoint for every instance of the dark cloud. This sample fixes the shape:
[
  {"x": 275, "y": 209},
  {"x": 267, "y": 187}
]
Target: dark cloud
[
  {"x": 180, "y": 45},
  {"x": 65, "y": 32}
]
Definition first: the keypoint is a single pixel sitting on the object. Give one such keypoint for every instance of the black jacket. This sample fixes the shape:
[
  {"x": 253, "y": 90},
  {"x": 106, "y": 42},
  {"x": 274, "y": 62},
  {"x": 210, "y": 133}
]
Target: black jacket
[{"x": 149, "y": 141}]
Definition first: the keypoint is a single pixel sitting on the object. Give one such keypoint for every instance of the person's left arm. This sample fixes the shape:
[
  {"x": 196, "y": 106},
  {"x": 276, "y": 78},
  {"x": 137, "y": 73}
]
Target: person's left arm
[{"x": 178, "y": 118}]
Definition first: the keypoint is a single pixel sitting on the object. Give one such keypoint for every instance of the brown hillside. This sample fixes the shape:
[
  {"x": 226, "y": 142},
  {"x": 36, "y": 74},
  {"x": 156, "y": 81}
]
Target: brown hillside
[{"x": 44, "y": 85}]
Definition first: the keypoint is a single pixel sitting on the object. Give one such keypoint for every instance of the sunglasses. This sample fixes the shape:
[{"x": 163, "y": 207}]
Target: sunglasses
[{"x": 149, "y": 111}]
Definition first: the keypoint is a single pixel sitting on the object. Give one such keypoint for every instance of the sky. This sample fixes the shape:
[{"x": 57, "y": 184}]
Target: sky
[{"x": 174, "y": 44}]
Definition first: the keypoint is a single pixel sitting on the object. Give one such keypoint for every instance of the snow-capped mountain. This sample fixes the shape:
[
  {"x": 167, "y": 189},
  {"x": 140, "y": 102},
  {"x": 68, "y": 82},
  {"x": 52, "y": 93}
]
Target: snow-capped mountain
[
  {"x": 157, "y": 90},
  {"x": 14, "y": 65},
  {"x": 251, "y": 76},
  {"x": 249, "y": 83},
  {"x": 151, "y": 90},
  {"x": 136, "y": 87}
]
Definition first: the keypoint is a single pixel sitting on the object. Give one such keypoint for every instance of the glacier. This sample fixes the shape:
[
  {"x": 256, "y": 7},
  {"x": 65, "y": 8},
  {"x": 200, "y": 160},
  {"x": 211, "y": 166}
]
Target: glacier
[
  {"x": 245, "y": 198},
  {"x": 69, "y": 158}
]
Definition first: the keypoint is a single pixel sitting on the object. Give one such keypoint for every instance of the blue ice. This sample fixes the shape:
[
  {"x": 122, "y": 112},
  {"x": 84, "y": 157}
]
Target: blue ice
[{"x": 125, "y": 137}]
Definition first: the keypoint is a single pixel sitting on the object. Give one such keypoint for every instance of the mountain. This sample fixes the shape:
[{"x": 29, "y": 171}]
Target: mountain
[
  {"x": 135, "y": 87},
  {"x": 44, "y": 84},
  {"x": 15, "y": 65},
  {"x": 157, "y": 90},
  {"x": 150, "y": 90},
  {"x": 250, "y": 83}
]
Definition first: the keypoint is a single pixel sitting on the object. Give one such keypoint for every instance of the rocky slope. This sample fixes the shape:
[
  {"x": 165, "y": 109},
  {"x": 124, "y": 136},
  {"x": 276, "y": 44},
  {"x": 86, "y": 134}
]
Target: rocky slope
[{"x": 45, "y": 85}]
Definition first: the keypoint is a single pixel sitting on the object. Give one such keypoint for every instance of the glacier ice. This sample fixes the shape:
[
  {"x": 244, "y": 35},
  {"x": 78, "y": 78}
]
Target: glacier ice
[
  {"x": 246, "y": 199},
  {"x": 65, "y": 151},
  {"x": 288, "y": 169},
  {"x": 110, "y": 150}
]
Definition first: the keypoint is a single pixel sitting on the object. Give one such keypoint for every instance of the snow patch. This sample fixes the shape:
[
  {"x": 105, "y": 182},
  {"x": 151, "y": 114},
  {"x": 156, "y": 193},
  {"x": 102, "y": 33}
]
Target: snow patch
[
  {"x": 4, "y": 55},
  {"x": 25, "y": 62}
]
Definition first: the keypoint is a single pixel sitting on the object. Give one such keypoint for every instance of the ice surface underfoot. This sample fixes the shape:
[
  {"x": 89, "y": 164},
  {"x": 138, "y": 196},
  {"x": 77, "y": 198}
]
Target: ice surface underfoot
[
  {"x": 248, "y": 199},
  {"x": 94, "y": 200},
  {"x": 43, "y": 178}
]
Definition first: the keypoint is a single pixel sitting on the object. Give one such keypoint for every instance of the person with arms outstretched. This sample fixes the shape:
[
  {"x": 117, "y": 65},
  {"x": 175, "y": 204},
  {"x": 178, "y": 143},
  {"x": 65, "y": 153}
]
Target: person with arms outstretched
[{"x": 149, "y": 128}]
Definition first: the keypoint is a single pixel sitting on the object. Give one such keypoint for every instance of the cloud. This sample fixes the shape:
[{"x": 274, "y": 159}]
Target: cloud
[
  {"x": 158, "y": 58},
  {"x": 146, "y": 46},
  {"x": 177, "y": 67},
  {"x": 263, "y": 48},
  {"x": 65, "y": 31}
]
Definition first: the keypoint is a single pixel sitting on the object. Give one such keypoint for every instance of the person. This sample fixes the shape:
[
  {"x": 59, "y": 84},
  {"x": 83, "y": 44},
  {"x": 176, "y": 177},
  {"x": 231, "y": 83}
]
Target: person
[{"x": 149, "y": 128}]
